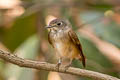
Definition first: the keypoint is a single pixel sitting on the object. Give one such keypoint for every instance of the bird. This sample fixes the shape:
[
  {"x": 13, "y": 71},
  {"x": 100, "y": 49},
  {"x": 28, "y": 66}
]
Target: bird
[{"x": 65, "y": 41}]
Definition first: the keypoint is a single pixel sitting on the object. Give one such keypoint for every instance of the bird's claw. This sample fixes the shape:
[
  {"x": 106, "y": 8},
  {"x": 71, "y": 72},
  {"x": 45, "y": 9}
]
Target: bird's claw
[{"x": 57, "y": 66}]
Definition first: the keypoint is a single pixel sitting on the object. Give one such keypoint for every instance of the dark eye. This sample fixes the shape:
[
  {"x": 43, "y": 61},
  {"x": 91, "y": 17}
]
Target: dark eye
[{"x": 59, "y": 24}]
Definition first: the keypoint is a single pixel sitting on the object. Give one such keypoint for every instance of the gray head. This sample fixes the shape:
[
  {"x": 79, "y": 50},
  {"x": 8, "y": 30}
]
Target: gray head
[{"x": 57, "y": 24}]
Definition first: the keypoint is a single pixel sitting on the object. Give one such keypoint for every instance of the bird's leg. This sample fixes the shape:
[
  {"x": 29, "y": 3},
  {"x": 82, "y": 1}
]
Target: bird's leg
[
  {"x": 59, "y": 63},
  {"x": 69, "y": 64}
]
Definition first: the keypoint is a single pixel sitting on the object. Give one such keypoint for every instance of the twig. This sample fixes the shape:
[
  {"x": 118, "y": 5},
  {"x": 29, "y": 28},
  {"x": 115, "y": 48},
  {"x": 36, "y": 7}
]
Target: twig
[{"x": 51, "y": 67}]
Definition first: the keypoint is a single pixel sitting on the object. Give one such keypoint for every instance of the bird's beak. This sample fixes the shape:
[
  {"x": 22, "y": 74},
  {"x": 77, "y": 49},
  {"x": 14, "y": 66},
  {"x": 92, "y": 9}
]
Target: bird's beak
[{"x": 49, "y": 26}]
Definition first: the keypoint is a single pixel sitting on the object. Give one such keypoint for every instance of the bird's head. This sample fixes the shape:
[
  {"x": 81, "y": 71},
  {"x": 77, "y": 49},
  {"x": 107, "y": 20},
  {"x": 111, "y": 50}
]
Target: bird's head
[{"x": 57, "y": 24}]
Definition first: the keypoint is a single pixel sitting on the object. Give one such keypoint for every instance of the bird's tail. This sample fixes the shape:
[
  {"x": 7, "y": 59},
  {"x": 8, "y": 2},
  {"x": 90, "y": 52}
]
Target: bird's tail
[{"x": 83, "y": 59}]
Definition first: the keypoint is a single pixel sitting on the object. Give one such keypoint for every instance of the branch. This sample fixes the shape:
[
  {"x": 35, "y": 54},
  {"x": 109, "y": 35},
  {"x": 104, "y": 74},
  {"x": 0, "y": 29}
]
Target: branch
[{"x": 51, "y": 67}]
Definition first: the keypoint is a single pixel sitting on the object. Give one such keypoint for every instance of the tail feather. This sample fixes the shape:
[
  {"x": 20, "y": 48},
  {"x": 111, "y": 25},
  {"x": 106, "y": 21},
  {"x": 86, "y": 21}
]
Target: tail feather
[
  {"x": 84, "y": 61},
  {"x": 82, "y": 58}
]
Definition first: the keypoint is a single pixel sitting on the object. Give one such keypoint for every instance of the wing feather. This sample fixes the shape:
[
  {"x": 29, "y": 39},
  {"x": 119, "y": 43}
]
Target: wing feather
[
  {"x": 50, "y": 40},
  {"x": 76, "y": 41}
]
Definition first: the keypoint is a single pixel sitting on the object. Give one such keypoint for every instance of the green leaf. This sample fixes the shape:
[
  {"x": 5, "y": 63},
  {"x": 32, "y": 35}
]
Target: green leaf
[{"x": 20, "y": 31}]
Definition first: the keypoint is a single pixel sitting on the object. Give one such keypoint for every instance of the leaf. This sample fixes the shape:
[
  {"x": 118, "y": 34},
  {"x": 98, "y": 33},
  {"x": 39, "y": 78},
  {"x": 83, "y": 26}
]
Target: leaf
[{"x": 19, "y": 31}]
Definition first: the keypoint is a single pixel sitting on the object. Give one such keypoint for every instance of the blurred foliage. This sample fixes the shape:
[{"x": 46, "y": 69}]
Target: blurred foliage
[
  {"x": 25, "y": 36},
  {"x": 19, "y": 31},
  {"x": 27, "y": 49}
]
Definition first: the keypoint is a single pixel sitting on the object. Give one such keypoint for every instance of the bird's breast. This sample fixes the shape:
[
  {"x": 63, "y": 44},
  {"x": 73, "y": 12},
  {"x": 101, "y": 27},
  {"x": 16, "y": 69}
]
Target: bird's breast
[
  {"x": 66, "y": 49},
  {"x": 61, "y": 42},
  {"x": 63, "y": 45},
  {"x": 61, "y": 48}
]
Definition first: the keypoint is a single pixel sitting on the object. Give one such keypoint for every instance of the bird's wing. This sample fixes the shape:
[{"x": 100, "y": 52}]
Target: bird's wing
[
  {"x": 50, "y": 40},
  {"x": 76, "y": 41}
]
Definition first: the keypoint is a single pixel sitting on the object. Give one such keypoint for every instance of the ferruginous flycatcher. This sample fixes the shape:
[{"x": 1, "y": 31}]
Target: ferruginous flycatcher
[{"x": 65, "y": 41}]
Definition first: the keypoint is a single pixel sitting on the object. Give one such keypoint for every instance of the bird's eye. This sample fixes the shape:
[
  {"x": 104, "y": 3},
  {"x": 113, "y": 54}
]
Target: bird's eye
[{"x": 59, "y": 24}]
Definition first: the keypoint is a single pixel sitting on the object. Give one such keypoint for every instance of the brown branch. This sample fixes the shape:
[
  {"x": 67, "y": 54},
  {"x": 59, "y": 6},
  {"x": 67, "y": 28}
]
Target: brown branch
[{"x": 51, "y": 67}]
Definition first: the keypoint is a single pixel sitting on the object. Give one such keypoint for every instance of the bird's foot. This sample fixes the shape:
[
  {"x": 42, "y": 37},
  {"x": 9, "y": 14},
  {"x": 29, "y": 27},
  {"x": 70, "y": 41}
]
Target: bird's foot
[{"x": 57, "y": 66}]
